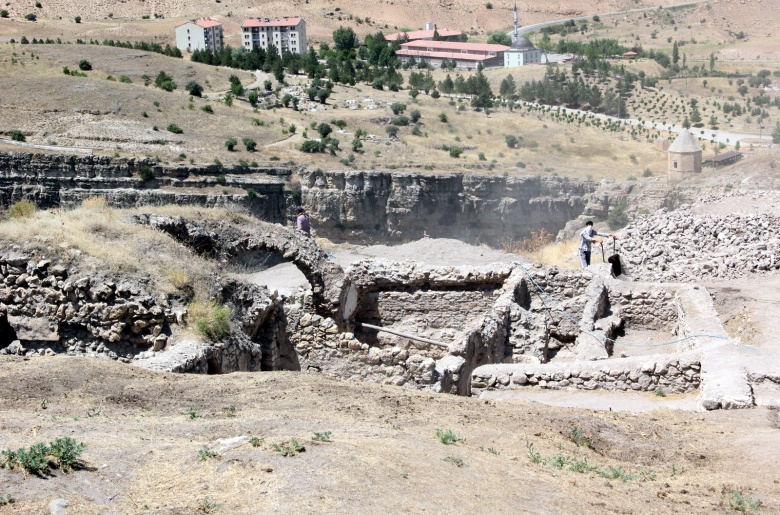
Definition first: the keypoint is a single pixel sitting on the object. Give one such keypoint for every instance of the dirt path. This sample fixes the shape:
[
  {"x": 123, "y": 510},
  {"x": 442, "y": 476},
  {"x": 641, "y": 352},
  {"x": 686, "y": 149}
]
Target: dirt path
[{"x": 144, "y": 432}]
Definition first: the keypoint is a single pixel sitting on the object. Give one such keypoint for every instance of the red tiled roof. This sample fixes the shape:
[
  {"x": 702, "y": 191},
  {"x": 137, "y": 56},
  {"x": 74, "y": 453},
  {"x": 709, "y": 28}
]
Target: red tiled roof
[
  {"x": 453, "y": 46},
  {"x": 422, "y": 34},
  {"x": 273, "y": 22},
  {"x": 206, "y": 23},
  {"x": 443, "y": 55}
]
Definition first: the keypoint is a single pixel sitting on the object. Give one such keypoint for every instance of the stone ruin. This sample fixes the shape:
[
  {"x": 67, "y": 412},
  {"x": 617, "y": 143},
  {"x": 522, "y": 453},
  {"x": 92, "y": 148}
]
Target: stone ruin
[{"x": 461, "y": 330}]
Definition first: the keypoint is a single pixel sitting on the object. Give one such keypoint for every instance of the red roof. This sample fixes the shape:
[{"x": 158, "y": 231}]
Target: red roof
[
  {"x": 206, "y": 23},
  {"x": 275, "y": 22},
  {"x": 443, "y": 55},
  {"x": 422, "y": 34},
  {"x": 452, "y": 46}
]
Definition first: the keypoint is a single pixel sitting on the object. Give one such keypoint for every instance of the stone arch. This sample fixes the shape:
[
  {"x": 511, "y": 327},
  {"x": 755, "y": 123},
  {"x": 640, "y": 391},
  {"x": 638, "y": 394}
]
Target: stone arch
[{"x": 225, "y": 239}]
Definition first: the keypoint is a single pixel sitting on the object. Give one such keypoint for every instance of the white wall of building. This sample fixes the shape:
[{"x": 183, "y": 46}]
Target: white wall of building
[
  {"x": 514, "y": 58},
  {"x": 287, "y": 38},
  {"x": 191, "y": 37}
]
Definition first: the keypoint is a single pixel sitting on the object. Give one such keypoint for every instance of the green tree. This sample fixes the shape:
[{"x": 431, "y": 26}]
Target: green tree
[
  {"x": 695, "y": 115},
  {"x": 508, "y": 87},
  {"x": 324, "y": 129},
  {"x": 3, "y": 13},
  {"x": 776, "y": 133},
  {"x": 397, "y": 108},
  {"x": 712, "y": 61},
  {"x": 499, "y": 38},
  {"x": 194, "y": 89},
  {"x": 675, "y": 53},
  {"x": 251, "y": 144},
  {"x": 345, "y": 39},
  {"x": 686, "y": 123},
  {"x": 253, "y": 98},
  {"x": 77, "y": 19},
  {"x": 30, "y": 17},
  {"x": 392, "y": 131},
  {"x": 85, "y": 65},
  {"x": 231, "y": 143}
]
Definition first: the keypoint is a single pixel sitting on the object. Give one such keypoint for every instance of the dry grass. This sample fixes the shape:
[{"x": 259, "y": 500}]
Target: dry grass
[{"x": 104, "y": 238}]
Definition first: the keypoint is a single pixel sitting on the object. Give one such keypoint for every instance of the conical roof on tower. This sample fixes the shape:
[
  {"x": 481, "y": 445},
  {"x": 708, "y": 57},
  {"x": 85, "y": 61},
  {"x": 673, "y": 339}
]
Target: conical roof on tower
[{"x": 685, "y": 143}]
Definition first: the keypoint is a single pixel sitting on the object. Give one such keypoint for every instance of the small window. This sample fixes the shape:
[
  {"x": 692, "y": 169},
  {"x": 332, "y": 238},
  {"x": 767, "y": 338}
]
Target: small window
[{"x": 675, "y": 165}]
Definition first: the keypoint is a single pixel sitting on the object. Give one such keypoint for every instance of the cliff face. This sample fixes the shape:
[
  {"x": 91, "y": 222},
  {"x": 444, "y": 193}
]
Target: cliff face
[
  {"x": 354, "y": 206},
  {"x": 473, "y": 208}
]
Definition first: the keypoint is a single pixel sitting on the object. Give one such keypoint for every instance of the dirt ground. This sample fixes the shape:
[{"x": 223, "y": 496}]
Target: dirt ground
[{"x": 382, "y": 457}]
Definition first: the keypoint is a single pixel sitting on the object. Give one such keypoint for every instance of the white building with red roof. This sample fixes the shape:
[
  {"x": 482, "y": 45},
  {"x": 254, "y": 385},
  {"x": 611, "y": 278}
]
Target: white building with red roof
[
  {"x": 203, "y": 34},
  {"x": 286, "y": 34},
  {"x": 464, "y": 55},
  {"x": 430, "y": 33}
]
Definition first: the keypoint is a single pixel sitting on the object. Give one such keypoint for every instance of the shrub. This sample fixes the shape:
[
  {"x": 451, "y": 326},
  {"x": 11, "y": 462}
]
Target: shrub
[
  {"x": 3, "y": 13},
  {"x": 397, "y": 108},
  {"x": 221, "y": 179},
  {"x": 324, "y": 129},
  {"x": 231, "y": 143},
  {"x": 175, "y": 129},
  {"x": 85, "y": 65},
  {"x": 253, "y": 98},
  {"x": 145, "y": 172},
  {"x": 511, "y": 141},
  {"x": 125, "y": 79},
  {"x": 455, "y": 152},
  {"x": 251, "y": 144},
  {"x": 290, "y": 448},
  {"x": 17, "y": 135},
  {"x": 392, "y": 131},
  {"x": 22, "y": 209},
  {"x": 164, "y": 82},
  {"x": 207, "y": 109},
  {"x": 65, "y": 451},
  {"x": 447, "y": 437},
  {"x": 401, "y": 120},
  {"x": 194, "y": 89},
  {"x": 443, "y": 117},
  {"x": 211, "y": 320},
  {"x": 30, "y": 17}
]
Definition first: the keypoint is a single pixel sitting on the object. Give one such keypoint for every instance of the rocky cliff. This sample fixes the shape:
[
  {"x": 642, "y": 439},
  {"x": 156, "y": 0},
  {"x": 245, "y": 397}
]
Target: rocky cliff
[{"x": 352, "y": 205}]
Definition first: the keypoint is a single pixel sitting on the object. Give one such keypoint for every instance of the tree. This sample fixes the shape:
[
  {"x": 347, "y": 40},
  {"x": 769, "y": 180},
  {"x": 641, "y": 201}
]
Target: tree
[
  {"x": 695, "y": 115},
  {"x": 230, "y": 144},
  {"x": 345, "y": 39},
  {"x": 443, "y": 117},
  {"x": 17, "y": 135},
  {"x": 712, "y": 61},
  {"x": 322, "y": 95},
  {"x": 357, "y": 145},
  {"x": 511, "y": 141},
  {"x": 415, "y": 115},
  {"x": 250, "y": 144},
  {"x": 776, "y": 134},
  {"x": 253, "y": 98},
  {"x": 163, "y": 81},
  {"x": 675, "y": 53},
  {"x": 324, "y": 129},
  {"x": 77, "y": 19},
  {"x": 499, "y": 38},
  {"x": 397, "y": 108},
  {"x": 194, "y": 89},
  {"x": 3, "y": 13},
  {"x": 85, "y": 65},
  {"x": 686, "y": 123},
  {"x": 392, "y": 131},
  {"x": 30, "y": 17},
  {"x": 508, "y": 87}
]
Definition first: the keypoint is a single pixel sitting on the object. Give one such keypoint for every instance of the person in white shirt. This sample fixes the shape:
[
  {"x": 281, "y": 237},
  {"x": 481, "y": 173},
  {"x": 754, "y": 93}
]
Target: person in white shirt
[{"x": 587, "y": 237}]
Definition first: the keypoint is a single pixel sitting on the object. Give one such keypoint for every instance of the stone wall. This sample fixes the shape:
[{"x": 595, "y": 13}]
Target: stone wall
[
  {"x": 673, "y": 374},
  {"x": 44, "y": 309}
]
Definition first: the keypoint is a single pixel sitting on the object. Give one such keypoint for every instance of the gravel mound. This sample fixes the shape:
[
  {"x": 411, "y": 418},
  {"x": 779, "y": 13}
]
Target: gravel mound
[{"x": 683, "y": 246}]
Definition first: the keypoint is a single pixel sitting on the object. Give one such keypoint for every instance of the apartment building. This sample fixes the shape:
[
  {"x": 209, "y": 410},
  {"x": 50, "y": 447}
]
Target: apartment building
[
  {"x": 204, "y": 34},
  {"x": 286, "y": 34}
]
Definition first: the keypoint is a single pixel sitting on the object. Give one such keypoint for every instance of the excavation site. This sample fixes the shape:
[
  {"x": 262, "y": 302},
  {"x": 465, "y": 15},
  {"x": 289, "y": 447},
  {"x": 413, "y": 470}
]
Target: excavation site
[{"x": 343, "y": 257}]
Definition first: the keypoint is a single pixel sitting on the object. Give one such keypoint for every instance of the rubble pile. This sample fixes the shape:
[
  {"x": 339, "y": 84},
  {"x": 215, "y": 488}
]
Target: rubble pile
[{"x": 685, "y": 247}]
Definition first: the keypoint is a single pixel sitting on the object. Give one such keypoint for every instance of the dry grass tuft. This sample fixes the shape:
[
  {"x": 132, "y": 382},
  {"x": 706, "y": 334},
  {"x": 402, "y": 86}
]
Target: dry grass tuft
[
  {"x": 561, "y": 253},
  {"x": 22, "y": 209}
]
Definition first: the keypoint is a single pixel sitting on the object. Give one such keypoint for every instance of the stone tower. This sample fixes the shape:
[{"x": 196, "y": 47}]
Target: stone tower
[{"x": 684, "y": 156}]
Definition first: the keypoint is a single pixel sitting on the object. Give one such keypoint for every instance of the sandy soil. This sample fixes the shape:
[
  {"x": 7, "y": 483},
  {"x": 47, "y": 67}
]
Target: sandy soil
[{"x": 383, "y": 457}]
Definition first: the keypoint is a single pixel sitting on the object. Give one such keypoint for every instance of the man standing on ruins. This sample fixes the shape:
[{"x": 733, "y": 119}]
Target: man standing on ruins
[
  {"x": 302, "y": 222},
  {"x": 587, "y": 237}
]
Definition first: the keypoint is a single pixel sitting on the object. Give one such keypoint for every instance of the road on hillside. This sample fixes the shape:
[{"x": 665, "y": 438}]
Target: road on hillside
[
  {"x": 536, "y": 26},
  {"x": 708, "y": 135}
]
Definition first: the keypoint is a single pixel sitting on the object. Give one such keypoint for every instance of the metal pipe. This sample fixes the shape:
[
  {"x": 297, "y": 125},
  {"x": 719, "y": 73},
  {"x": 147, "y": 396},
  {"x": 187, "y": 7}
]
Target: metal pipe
[{"x": 398, "y": 333}]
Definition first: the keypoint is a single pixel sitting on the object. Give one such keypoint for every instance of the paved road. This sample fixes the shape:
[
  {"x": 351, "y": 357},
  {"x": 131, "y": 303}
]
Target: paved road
[{"x": 536, "y": 26}]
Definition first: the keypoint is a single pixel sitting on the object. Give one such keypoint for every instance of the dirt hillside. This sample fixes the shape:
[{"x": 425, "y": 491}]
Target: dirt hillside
[{"x": 156, "y": 443}]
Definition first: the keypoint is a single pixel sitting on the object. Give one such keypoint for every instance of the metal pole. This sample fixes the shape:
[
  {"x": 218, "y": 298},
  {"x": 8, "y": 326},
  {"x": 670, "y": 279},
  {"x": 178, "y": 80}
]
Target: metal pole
[{"x": 398, "y": 333}]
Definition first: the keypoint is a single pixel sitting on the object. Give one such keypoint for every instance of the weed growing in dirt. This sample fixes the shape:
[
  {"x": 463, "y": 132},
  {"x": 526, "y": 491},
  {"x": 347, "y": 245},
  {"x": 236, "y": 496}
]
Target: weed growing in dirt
[
  {"x": 580, "y": 465},
  {"x": 230, "y": 411},
  {"x": 558, "y": 461},
  {"x": 193, "y": 414},
  {"x": 290, "y": 448},
  {"x": 646, "y": 475},
  {"x": 321, "y": 437},
  {"x": 491, "y": 450},
  {"x": 616, "y": 473},
  {"x": 677, "y": 471},
  {"x": 738, "y": 501},
  {"x": 62, "y": 453},
  {"x": 207, "y": 506},
  {"x": 533, "y": 455},
  {"x": 458, "y": 462},
  {"x": 65, "y": 451},
  {"x": 255, "y": 441},
  {"x": 659, "y": 392},
  {"x": 205, "y": 454},
  {"x": 448, "y": 437},
  {"x": 577, "y": 436}
]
